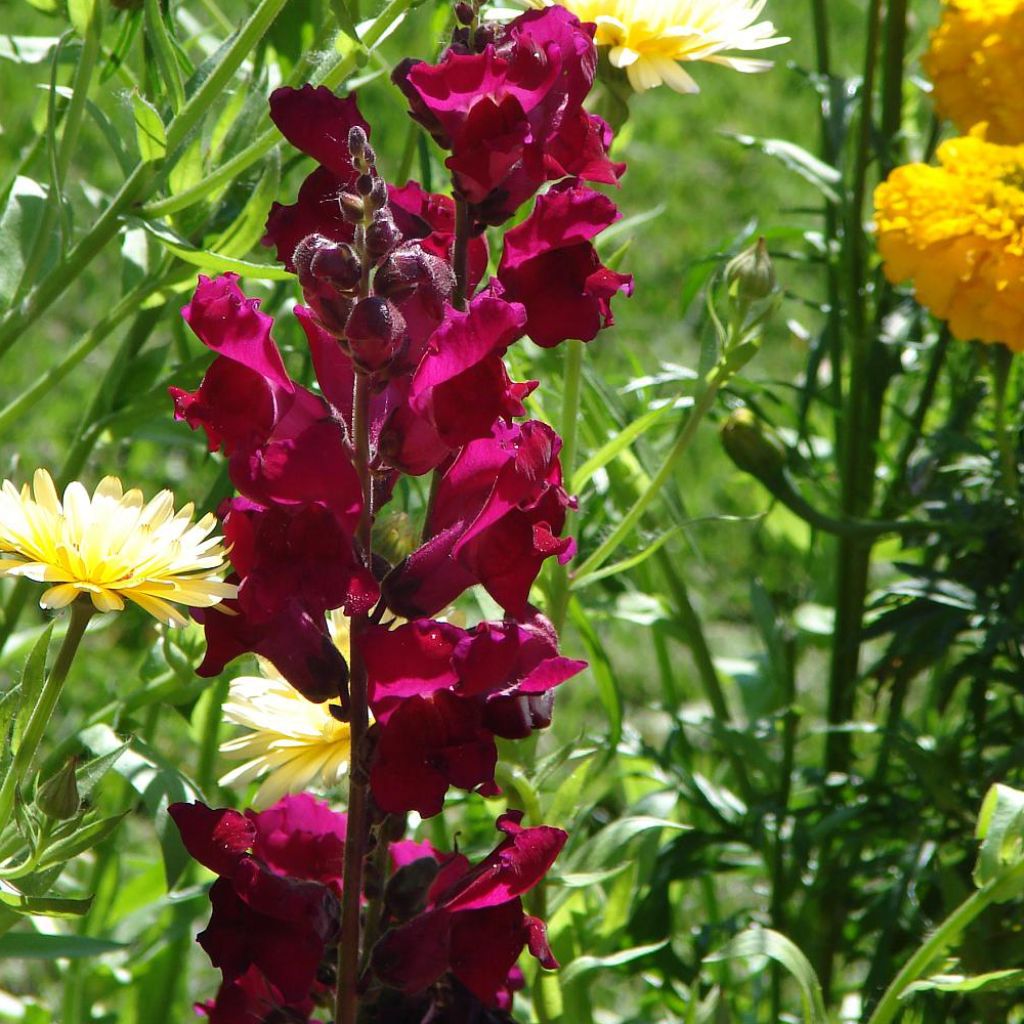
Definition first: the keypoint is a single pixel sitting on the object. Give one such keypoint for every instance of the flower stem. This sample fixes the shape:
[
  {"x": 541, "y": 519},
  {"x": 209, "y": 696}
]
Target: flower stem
[
  {"x": 346, "y": 1008},
  {"x": 81, "y": 612},
  {"x": 570, "y": 419},
  {"x": 460, "y": 254},
  {"x": 1002, "y": 363},
  {"x": 891, "y": 1003}
]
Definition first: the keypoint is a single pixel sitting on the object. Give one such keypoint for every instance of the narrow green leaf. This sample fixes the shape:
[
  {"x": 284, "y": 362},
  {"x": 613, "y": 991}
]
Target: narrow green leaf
[
  {"x": 80, "y": 13},
  {"x": 32, "y": 674},
  {"x": 765, "y": 942},
  {"x": 163, "y": 49},
  {"x": 248, "y": 227},
  {"x": 623, "y": 439},
  {"x": 584, "y": 965},
  {"x": 992, "y": 981},
  {"x": 149, "y": 129},
  {"x": 608, "y": 844},
  {"x": 214, "y": 262},
  {"x": 21, "y": 213},
  {"x": 80, "y": 841},
  {"x": 821, "y": 175},
  {"x": 47, "y": 906},
  {"x": 600, "y": 666},
  {"x": 34, "y": 946},
  {"x": 626, "y": 563}
]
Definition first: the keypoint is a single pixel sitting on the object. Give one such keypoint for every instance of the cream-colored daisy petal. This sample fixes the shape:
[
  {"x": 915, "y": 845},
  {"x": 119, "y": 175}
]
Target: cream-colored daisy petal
[
  {"x": 112, "y": 545},
  {"x": 646, "y": 35},
  {"x": 293, "y": 744}
]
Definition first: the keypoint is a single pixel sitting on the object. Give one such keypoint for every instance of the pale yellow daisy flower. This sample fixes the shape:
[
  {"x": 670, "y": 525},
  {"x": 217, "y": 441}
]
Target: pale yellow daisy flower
[
  {"x": 296, "y": 744},
  {"x": 650, "y": 38},
  {"x": 111, "y": 546}
]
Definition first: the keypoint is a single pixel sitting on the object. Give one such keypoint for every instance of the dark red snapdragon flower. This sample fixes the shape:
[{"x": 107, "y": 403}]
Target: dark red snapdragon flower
[
  {"x": 497, "y": 514},
  {"x": 549, "y": 264},
  {"x": 441, "y": 694},
  {"x": 473, "y": 925},
  {"x": 263, "y": 918},
  {"x": 512, "y": 115}
]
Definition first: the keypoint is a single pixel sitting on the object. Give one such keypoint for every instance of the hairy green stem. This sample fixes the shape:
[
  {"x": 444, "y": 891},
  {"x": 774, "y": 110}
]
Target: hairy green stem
[{"x": 81, "y": 613}]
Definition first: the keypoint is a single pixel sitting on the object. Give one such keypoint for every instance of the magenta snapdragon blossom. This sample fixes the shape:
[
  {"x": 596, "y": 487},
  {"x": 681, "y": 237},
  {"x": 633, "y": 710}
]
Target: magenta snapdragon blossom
[{"x": 407, "y": 339}]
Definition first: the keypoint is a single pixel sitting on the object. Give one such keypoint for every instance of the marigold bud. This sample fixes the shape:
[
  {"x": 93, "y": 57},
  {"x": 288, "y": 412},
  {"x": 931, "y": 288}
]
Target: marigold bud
[
  {"x": 750, "y": 447},
  {"x": 751, "y": 274},
  {"x": 58, "y": 796}
]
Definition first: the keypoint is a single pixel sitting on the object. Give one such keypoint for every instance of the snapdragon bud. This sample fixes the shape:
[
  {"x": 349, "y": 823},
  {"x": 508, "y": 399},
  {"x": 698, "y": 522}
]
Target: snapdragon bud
[
  {"x": 751, "y": 274},
  {"x": 58, "y": 796},
  {"x": 357, "y": 142},
  {"x": 382, "y": 234},
  {"x": 464, "y": 13},
  {"x": 327, "y": 270},
  {"x": 352, "y": 207},
  {"x": 395, "y": 536},
  {"x": 375, "y": 334}
]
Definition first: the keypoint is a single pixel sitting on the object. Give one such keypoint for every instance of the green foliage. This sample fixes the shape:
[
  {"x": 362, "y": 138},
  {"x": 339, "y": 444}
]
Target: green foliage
[{"x": 801, "y": 684}]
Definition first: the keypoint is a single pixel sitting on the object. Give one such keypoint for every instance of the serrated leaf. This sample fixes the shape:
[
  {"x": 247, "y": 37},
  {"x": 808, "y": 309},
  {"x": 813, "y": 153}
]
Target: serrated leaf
[
  {"x": 584, "y": 965},
  {"x": 35, "y": 946},
  {"x": 765, "y": 942},
  {"x": 149, "y": 129}
]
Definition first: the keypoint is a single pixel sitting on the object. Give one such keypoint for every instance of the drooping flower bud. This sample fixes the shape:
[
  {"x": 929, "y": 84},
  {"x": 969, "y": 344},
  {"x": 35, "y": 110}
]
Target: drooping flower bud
[
  {"x": 58, "y": 796},
  {"x": 750, "y": 447},
  {"x": 326, "y": 271},
  {"x": 352, "y": 208},
  {"x": 375, "y": 334},
  {"x": 751, "y": 274}
]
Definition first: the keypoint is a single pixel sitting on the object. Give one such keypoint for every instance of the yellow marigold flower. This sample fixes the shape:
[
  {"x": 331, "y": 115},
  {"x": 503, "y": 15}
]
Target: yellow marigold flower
[
  {"x": 957, "y": 231},
  {"x": 295, "y": 743},
  {"x": 974, "y": 60},
  {"x": 111, "y": 546},
  {"x": 648, "y": 38}
]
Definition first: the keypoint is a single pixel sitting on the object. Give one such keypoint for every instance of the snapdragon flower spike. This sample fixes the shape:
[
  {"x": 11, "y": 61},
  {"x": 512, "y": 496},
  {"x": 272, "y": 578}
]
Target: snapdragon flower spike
[
  {"x": 496, "y": 516},
  {"x": 473, "y": 925},
  {"x": 550, "y": 265},
  {"x": 441, "y": 694},
  {"x": 512, "y": 115}
]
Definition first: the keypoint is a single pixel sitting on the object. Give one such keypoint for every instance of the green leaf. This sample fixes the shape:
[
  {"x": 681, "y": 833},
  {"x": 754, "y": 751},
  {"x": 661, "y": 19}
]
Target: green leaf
[
  {"x": 27, "y": 49},
  {"x": 601, "y": 667},
  {"x": 630, "y": 562},
  {"x": 163, "y": 49},
  {"x": 610, "y": 842},
  {"x": 248, "y": 227},
  {"x": 622, "y": 440},
  {"x": 821, "y": 175},
  {"x": 47, "y": 906},
  {"x": 158, "y": 782},
  {"x": 21, "y": 213},
  {"x": 80, "y": 13},
  {"x": 32, "y": 674},
  {"x": 149, "y": 129},
  {"x": 992, "y": 981},
  {"x": 34, "y": 946},
  {"x": 1001, "y": 829},
  {"x": 584, "y": 965},
  {"x": 213, "y": 262},
  {"x": 84, "y": 839},
  {"x": 755, "y": 942}
]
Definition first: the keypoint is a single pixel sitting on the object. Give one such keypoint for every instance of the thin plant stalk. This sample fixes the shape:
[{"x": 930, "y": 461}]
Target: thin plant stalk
[{"x": 81, "y": 612}]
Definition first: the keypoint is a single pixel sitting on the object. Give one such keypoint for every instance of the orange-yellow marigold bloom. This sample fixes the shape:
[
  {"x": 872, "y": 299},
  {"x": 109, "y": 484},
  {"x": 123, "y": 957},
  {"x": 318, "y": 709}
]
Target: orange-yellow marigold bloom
[
  {"x": 975, "y": 60},
  {"x": 957, "y": 231},
  {"x": 111, "y": 546}
]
